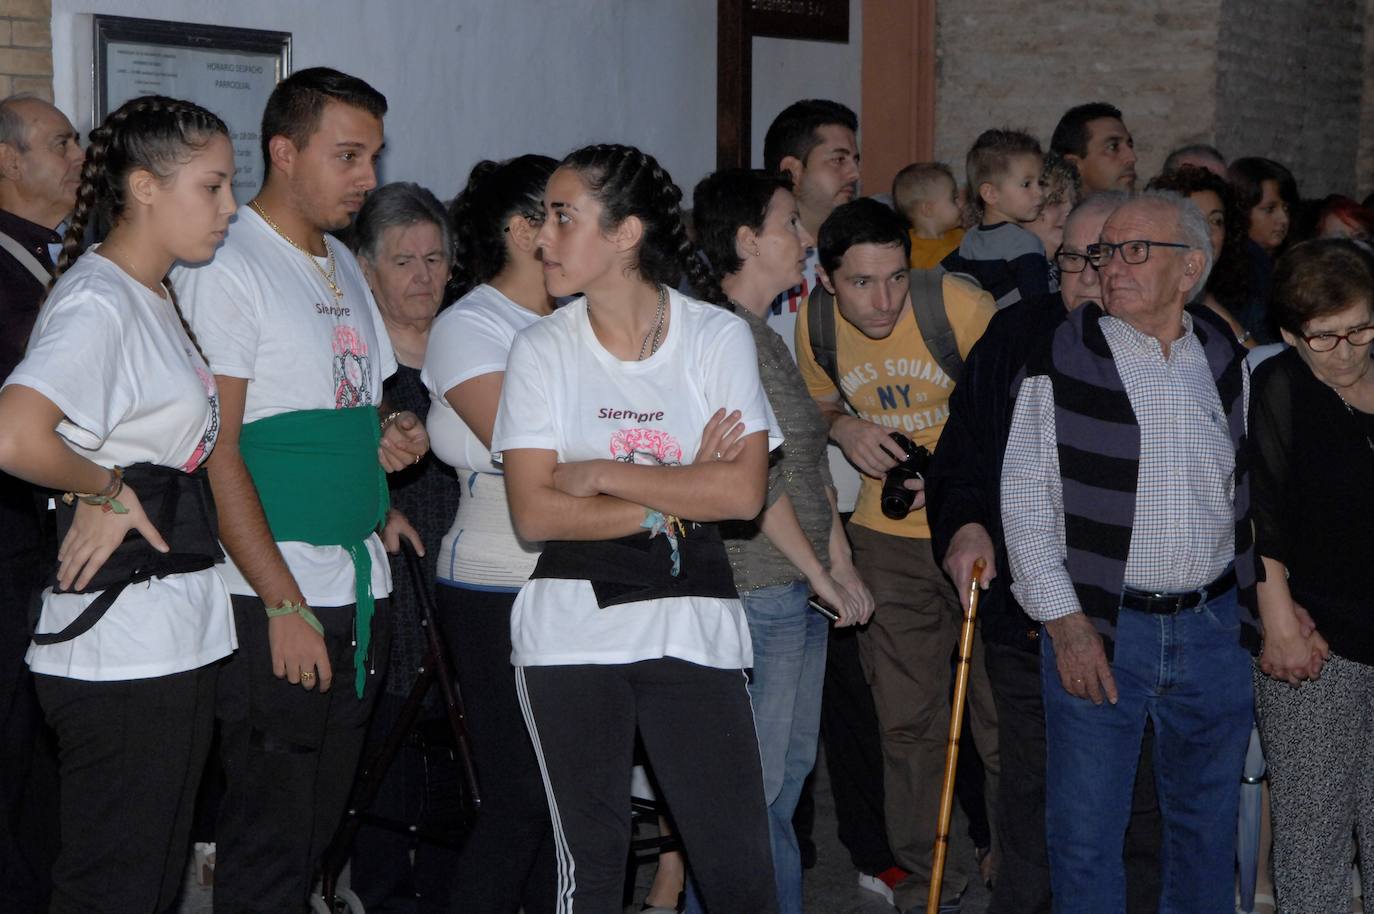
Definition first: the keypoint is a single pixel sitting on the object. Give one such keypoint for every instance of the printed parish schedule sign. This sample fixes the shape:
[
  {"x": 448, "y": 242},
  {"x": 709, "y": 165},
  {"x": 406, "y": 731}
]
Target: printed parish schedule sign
[{"x": 186, "y": 62}]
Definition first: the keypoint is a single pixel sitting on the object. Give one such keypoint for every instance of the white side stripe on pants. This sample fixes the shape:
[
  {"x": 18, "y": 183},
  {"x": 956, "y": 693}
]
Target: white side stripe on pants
[{"x": 567, "y": 882}]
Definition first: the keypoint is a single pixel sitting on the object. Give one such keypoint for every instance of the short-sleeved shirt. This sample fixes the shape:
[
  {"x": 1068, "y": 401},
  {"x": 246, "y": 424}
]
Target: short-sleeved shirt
[
  {"x": 262, "y": 311},
  {"x": 565, "y": 393},
  {"x": 471, "y": 338},
  {"x": 896, "y": 382},
  {"x": 112, "y": 355}
]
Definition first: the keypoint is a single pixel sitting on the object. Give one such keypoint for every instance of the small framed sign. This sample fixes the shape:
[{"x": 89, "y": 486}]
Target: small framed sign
[
  {"x": 816, "y": 20},
  {"x": 230, "y": 71}
]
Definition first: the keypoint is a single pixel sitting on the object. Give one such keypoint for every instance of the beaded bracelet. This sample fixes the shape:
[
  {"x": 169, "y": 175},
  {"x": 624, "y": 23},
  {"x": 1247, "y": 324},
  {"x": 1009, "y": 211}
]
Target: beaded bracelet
[
  {"x": 391, "y": 418},
  {"x": 300, "y": 609}
]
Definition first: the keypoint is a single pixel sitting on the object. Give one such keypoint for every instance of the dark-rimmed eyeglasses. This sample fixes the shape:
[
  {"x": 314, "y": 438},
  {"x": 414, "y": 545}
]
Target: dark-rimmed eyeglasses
[
  {"x": 1132, "y": 252},
  {"x": 1072, "y": 261},
  {"x": 1325, "y": 342}
]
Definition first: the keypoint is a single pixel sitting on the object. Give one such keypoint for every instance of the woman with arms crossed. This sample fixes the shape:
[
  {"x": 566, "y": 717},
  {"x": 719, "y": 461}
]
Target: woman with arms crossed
[
  {"x": 631, "y": 616},
  {"x": 111, "y": 380}
]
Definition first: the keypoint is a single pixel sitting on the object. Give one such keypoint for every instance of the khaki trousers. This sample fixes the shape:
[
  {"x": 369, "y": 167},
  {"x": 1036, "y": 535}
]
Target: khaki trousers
[{"x": 906, "y": 650}]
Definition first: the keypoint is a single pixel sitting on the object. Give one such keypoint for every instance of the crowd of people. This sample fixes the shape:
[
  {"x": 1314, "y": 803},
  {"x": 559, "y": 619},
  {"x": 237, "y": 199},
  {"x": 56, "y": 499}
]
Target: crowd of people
[{"x": 700, "y": 490}]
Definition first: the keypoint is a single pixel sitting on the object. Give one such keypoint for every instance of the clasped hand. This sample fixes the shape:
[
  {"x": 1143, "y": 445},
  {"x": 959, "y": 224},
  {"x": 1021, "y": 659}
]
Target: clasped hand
[
  {"x": 1294, "y": 651},
  {"x": 404, "y": 442}
]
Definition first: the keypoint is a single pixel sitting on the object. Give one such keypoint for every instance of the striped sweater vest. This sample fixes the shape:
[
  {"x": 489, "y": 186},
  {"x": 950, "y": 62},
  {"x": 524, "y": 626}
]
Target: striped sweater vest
[{"x": 1099, "y": 460}]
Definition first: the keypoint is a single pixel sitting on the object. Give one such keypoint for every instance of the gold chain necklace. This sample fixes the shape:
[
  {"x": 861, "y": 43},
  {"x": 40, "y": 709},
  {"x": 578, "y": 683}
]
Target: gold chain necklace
[{"x": 326, "y": 273}]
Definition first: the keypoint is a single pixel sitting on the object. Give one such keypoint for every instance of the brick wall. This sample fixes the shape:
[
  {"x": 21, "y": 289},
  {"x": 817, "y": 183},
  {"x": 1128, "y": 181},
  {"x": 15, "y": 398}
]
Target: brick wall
[
  {"x": 26, "y": 47},
  {"x": 1256, "y": 77},
  {"x": 1289, "y": 84},
  {"x": 1025, "y": 63},
  {"x": 1364, "y": 165}
]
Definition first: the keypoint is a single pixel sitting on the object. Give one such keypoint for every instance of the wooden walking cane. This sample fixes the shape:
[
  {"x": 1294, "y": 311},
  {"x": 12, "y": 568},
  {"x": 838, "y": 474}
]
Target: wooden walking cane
[{"x": 956, "y": 725}]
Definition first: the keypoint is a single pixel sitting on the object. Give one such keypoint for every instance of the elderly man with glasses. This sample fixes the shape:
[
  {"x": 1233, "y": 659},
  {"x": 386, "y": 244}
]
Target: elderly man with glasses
[
  {"x": 1125, "y": 504},
  {"x": 963, "y": 486}
]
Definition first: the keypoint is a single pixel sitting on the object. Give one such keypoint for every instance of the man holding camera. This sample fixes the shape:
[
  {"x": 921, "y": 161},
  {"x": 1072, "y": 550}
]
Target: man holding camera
[{"x": 885, "y": 379}]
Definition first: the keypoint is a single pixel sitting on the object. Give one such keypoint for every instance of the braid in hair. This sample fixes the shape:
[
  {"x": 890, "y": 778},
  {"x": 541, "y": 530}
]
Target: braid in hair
[
  {"x": 495, "y": 192},
  {"x": 152, "y": 132},
  {"x": 628, "y": 182},
  {"x": 92, "y": 178}
]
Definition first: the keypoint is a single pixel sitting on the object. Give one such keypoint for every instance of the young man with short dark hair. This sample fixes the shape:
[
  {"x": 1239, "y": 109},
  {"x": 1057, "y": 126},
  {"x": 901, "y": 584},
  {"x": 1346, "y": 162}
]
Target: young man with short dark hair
[
  {"x": 886, "y": 378},
  {"x": 299, "y": 351},
  {"x": 1094, "y": 138},
  {"x": 813, "y": 141}
]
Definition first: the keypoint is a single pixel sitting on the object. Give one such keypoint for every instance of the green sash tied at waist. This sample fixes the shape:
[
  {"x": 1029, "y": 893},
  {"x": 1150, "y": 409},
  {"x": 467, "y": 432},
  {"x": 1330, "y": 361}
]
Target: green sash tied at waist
[{"x": 319, "y": 480}]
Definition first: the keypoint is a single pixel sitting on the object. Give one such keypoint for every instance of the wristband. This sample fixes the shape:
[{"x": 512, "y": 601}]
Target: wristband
[
  {"x": 300, "y": 609},
  {"x": 391, "y": 418},
  {"x": 106, "y": 498}
]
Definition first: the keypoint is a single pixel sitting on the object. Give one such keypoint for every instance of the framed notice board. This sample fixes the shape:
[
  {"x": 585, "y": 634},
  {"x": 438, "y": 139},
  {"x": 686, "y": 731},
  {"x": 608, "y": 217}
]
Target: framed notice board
[{"x": 230, "y": 71}]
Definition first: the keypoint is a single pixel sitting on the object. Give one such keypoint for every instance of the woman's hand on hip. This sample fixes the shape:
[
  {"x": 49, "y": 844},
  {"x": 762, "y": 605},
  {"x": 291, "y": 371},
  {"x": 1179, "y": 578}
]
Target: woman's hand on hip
[{"x": 96, "y": 532}]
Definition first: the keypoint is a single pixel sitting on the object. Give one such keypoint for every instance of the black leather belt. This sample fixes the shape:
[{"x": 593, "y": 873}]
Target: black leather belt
[{"x": 1166, "y": 604}]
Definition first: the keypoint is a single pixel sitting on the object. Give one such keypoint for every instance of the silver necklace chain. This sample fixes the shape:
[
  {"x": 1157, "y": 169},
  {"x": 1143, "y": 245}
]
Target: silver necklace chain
[
  {"x": 1350, "y": 409},
  {"x": 657, "y": 331}
]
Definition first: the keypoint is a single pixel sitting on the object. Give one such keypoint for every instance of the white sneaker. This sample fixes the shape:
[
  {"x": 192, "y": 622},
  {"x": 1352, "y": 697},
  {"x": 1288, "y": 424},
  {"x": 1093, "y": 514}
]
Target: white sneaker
[{"x": 871, "y": 883}]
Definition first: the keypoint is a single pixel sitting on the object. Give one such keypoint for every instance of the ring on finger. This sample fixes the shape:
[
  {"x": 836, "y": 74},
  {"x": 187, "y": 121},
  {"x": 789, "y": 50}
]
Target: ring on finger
[
  {"x": 717, "y": 455},
  {"x": 306, "y": 676}
]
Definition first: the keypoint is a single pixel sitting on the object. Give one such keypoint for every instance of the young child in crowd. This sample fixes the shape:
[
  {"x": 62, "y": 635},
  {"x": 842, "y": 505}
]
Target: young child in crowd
[
  {"x": 1004, "y": 190},
  {"x": 1062, "y": 187},
  {"x": 928, "y": 196}
]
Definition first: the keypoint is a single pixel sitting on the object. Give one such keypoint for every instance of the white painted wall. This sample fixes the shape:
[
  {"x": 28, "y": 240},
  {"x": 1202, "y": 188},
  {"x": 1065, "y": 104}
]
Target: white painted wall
[{"x": 473, "y": 79}]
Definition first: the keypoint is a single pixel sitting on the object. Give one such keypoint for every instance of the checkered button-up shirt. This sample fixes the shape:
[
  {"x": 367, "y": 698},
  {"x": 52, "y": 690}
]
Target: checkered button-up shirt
[{"x": 1183, "y": 536}]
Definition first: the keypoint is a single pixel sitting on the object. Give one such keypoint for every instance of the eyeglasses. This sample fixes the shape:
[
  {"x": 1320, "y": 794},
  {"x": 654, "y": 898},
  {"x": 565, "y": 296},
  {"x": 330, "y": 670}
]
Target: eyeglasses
[
  {"x": 1325, "y": 342},
  {"x": 1072, "y": 262},
  {"x": 1132, "y": 252}
]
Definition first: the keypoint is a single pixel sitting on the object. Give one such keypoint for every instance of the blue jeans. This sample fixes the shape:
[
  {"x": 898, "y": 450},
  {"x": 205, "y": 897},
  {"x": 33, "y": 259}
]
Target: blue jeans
[
  {"x": 785, "y": 689},
  {"x": 1189, "y": 673}
]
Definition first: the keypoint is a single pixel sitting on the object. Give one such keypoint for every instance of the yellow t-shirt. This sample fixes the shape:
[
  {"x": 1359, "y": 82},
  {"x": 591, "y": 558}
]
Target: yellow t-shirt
[
  {"x": 896, "y": 383},
  {"x": 928, "y": 252}
]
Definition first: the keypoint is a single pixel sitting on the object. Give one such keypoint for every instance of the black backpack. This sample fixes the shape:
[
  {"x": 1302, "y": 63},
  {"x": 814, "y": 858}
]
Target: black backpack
[{"x": 928, "y": 305}]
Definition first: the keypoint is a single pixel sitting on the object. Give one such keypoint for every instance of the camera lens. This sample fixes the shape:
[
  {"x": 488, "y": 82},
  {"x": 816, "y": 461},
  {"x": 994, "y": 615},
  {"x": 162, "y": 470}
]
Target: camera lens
[{"x": 897, "y": 499}]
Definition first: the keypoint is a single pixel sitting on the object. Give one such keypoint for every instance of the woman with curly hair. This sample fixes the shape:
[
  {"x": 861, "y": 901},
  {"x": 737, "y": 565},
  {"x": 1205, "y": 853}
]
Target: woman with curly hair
[
  {"x": 1228, "y": 284},
  {"x": 507, "y": 861}
]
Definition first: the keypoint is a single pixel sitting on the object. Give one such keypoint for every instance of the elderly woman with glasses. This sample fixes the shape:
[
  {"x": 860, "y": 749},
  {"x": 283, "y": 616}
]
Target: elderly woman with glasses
[
  {"x": 1312, "y": 438},
  {"x": 402, "y": 241}
]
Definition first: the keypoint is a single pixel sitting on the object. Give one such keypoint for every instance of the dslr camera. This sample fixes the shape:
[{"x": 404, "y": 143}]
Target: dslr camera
[{"x": 896, "y": 497}]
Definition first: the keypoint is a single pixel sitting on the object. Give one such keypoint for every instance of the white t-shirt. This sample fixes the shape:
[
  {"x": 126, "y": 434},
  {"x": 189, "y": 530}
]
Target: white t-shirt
[
  {"x": 262, "y": 312},
  {"x": 564, "y": 392},
  {"x": 112, "y": 355},
  {"x": 471, "y": 338}
]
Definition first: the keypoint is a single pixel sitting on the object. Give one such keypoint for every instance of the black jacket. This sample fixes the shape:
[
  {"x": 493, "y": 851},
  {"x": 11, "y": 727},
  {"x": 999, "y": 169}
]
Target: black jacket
[{"x": 964, "y": 484}]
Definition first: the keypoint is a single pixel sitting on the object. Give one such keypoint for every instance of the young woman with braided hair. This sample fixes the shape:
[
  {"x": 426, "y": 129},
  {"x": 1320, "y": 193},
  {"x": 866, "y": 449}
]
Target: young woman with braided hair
[
  {"x": 112, "y": 379},
  {"x": 507, "y": 861},
  {"x": 631, "y": 421}
]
